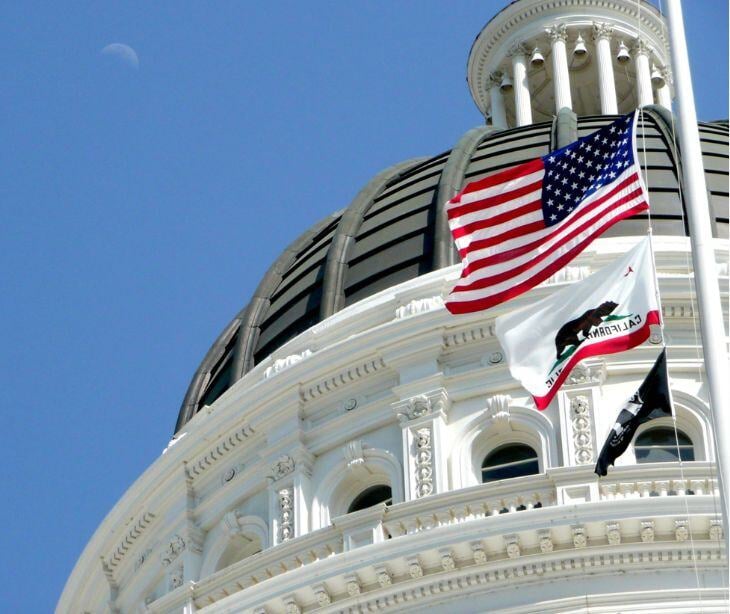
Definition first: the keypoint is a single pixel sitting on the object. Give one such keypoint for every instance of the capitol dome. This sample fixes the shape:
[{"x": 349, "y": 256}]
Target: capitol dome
[
  {"x": 395, "y": 230},
  {"x": 348, "y": 445}
]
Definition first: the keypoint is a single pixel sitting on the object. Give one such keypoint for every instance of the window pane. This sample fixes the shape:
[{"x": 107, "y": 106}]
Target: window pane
[
  {"x": 371, "y": 496},
  {"x": 509, "y": 454},
  {"x": 662, "y": 436},
  {"x": 510, "y": 471},
  {"x": 658, "y": 454}
]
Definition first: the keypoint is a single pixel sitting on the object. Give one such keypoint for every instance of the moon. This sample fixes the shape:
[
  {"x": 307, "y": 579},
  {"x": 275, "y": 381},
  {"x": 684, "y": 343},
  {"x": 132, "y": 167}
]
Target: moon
[{"x": 123, "y": 52}]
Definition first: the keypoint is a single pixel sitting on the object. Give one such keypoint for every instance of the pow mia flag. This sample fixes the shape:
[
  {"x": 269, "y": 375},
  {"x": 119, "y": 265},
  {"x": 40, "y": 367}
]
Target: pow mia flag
[{"x": 650, "y": 401}]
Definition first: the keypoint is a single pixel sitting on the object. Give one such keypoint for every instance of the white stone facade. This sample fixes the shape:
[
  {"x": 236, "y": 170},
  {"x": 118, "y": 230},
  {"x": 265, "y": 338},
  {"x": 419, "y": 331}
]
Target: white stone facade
[{"x": 246, "y": 510}]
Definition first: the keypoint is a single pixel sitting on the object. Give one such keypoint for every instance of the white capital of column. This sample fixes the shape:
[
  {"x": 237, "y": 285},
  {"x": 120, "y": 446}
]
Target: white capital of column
[
  {"x": 523, "y": 104},
  {"x": 499, "y": 116},
  {"x": 664, "y": 93},
  {"x": 606, "y": 81},
  {"x": 561, "y": 79},
  {"x": 644, "y": 93}
]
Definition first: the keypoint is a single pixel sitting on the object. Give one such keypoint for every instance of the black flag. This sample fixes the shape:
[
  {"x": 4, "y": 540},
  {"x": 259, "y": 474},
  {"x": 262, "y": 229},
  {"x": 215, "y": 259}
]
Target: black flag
[{"x": 650, "y": 401}]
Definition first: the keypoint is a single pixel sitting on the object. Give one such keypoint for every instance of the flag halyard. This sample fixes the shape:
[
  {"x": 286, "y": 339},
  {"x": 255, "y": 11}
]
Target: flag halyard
[{"x": 516, "y": 228}]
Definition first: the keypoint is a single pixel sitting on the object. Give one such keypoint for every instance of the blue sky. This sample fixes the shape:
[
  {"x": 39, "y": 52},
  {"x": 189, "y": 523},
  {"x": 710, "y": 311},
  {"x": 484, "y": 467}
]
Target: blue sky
[{"x": 141, "y": 207}]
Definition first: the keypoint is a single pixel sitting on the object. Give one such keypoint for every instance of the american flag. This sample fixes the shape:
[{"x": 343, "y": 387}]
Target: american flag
[{"x": 519, "y": 226}]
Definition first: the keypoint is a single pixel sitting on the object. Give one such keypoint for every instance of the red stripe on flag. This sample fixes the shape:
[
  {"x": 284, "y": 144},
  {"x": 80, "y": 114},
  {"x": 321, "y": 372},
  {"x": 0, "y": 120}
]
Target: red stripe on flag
[
  {"x": 493, "y": 201},
  {"x": 495, "y": 259},
  {"x": 456, "y": 306},
  {"x": 504, "y": 176},
  {"x": 461, "y": 231},
  {"x": 609, "y": 346}
]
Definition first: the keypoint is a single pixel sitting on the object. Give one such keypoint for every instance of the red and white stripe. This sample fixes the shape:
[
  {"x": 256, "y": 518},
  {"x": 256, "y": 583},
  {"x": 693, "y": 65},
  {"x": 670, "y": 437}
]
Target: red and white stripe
[{"x": 505, "y": 247}]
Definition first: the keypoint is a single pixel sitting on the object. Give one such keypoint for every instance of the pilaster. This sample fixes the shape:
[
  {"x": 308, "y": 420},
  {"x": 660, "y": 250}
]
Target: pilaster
[{"x": 423, "y": 419}]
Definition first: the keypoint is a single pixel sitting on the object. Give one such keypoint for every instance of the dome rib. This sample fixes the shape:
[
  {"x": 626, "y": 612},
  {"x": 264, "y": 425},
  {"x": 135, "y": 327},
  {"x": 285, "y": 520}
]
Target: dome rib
[
  {"x": 450, "y": 182},
  {"x": 340, "y": 250}
]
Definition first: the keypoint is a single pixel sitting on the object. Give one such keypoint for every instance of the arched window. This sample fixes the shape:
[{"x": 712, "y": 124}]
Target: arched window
[
  {"x": 659, "y": 445},
  {"x": 509, "y": 461},
  {"x": 380, "y": 493}
]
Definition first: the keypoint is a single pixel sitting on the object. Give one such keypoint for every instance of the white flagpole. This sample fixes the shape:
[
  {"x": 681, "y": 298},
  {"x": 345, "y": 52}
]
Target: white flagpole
[{"x": 698, "y": 214}]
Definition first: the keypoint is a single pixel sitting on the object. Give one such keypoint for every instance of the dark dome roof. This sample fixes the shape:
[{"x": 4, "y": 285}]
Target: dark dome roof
[{"x": 395, "y": 230}]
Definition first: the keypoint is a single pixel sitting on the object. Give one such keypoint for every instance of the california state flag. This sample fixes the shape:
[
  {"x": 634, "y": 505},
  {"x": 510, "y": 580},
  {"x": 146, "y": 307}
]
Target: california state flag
[{"x": 610, "y": 311}]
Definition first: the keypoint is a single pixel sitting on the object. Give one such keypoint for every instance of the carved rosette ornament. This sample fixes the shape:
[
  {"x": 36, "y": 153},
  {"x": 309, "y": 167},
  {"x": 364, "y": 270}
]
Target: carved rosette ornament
[
  {"x": 323, "y": 597},
  {"x": 716, "y": 531},
  {"x": 176, "y": 578},
  {"x": 424, "y": 462},
  {"x": 292, "y": 607},
  {"x": 558, "y": 32},
  {"x": 353, "y": 587},
  {"x": 286, "y": 514},
  {"x": 582, "y": 436},
  {"x": 602, "y": 30}
]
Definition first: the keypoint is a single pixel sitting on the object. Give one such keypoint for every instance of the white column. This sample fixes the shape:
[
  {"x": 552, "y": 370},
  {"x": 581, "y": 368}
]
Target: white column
[
  {"x": 664, "y": 93},
  {"x": 499, "y": 117},
  {"x": 523, "y": 105},
  {"x": 558, "y": 34},
  {"x": 714, "y": 348},
  {"x": 644, "y": 94},
  {"x": 606, "y": 82}
]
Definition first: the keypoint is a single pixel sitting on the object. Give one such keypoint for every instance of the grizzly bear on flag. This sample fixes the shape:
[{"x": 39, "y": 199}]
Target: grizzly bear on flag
[{"x": 568, "y": 333}]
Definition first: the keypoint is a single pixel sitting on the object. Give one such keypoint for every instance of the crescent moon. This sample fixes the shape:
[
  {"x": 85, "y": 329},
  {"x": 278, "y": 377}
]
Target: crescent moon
[{"x": 124, "y": 52}]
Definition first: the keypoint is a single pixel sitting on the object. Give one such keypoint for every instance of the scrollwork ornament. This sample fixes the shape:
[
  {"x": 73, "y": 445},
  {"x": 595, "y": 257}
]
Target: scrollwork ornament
[
  {"x": 282, "y": 467},
  {"x": 424, "y": 462}
]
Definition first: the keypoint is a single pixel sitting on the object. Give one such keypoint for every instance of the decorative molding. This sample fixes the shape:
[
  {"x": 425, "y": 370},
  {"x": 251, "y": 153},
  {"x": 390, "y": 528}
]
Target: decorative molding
[
  {"x": 477, "y": 334},
  {"x": 641, "y": 47},
  {"x": 322, "y": 595},
  {"x": 354, "y": 453},
  {"x": 384, "y": 577},
  {"x": 291, "y": 606},
  {"x": 518, "y": 49},
  {"x": 545, "y": 541},
  {"x": 341, "y": 378},
  {"x": 613, "y": 533},
  {"x": 602, "y": 30},
  {"x": 419, "y": 305},
  {"x": 512, "y": 546},
  {"x": 494, "y": 79},
  {"x": 175, "y": 578},
  {"x": 432, "y": 403},
  {"x": 281, "y": 364},
  {"x": 557, "y": 32},
  {"x": 681, "y": 530},
  {"x": 424, "y": 461},
  {"x": 587, "y": 374},
  {"x": 479, "y": 554},
  {"x": 352, "y": 583},
  {"x": 676, "y": 310},
  {"x": 144, "y": 520},
  {"x": 647, "y": 531},
  {"x": 415, "y": 570},
  {"x": 716, "y": 531},
  {"x": 231, "y": 472},
  {"x": 447, "y": 561},
  {"x": 216, "y": 453},
  {"x": 172, "y": 551},
  {"x": 580, "y": 539},
  {"x": 286, "y": 514},
  {"x": 498, "y": 407},
  {"x": 282, "y": 467},
  {"x": 582, "y": 432}
]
